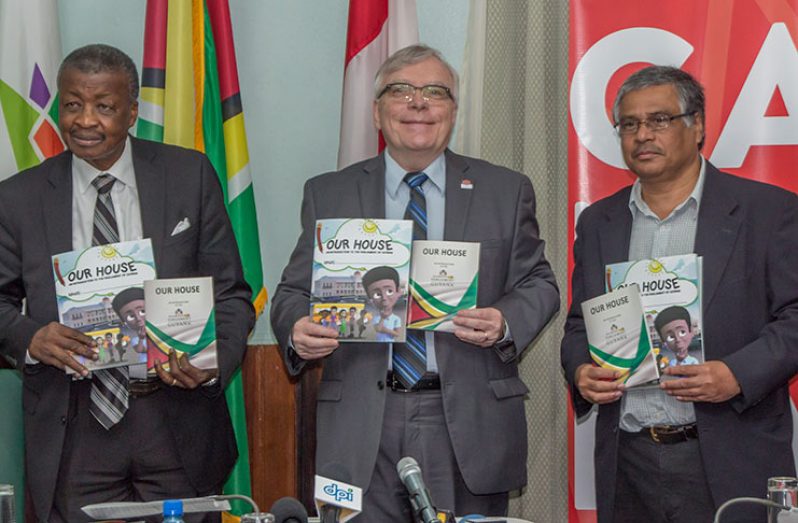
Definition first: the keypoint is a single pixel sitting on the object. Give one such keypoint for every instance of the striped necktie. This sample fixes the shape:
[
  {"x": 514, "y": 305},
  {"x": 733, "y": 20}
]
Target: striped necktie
[
  {"x": 109, "y": 396},
  {"x": 410, "y": 358}
]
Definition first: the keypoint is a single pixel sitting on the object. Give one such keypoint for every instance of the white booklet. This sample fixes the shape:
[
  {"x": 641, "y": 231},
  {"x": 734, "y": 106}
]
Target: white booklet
[
  {"x": 99, "y": 292},
  {"x": 444, "y": 277},
  {"x": 618, "y": 336},
  {"x": 180, "y": 317}
]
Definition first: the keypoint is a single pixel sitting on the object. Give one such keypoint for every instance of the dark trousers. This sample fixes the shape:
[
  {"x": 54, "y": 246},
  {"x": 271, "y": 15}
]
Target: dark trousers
[
  {"x": 414, "y": 425},
  {"x": 136, "y": 460},
  {"x": 661, "y": 483}
]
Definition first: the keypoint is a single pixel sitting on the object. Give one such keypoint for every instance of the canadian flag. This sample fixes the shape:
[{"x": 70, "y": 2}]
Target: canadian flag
[{"x": 377, "y": 28}]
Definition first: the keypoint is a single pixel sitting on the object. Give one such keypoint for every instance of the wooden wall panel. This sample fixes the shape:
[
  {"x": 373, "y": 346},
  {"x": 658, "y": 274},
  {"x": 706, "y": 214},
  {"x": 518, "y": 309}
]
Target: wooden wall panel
[{"x": 271, "y": 424}]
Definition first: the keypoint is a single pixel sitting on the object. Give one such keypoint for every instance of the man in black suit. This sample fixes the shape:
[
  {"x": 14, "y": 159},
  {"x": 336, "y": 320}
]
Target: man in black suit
[
  {"x": 716, "y": 430},
  {"x": 463, "y": 421},
  {"x": 175, "y": 438}
]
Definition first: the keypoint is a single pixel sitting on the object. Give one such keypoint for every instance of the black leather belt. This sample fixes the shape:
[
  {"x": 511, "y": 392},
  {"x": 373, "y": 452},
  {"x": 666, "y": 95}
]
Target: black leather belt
[
  {"x": 427, "y": 382},
  {"x": 141, "y": 388},
  {"x": 669, "y": 434}
]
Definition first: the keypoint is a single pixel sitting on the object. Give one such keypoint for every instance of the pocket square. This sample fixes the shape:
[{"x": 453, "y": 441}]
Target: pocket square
[{"x": 181, "y": 226}]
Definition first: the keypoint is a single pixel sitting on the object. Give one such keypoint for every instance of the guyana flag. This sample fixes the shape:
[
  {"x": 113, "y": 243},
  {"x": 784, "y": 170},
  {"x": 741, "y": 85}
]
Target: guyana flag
[{"x": 190, "y": 97}]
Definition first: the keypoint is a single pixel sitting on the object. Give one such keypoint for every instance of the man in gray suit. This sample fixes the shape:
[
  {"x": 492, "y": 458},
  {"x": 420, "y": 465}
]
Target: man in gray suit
[
  {"x": 720, "y": 429},
  {"x": 463, "y": 421},
  {"x": 174, "y": 438}
]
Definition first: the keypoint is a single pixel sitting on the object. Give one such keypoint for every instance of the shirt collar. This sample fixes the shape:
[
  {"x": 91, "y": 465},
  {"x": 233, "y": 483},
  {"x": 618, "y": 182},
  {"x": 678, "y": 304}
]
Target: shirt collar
[
  {"x": 636, "y": 197},
  {"x": 394, "y": 174},
  {"x": 83, "y": 173}
]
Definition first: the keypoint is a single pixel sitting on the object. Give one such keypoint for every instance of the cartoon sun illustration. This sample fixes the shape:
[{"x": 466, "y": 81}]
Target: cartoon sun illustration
[
  {"x": 108, "y": 252},
  {"x": 654, "y": 267},
  {"x": 369, "y": 227}
]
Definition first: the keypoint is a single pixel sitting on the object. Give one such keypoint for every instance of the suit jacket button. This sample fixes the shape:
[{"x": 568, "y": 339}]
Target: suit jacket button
[
  {"x": 63, "y": 420},
  {"x": 380, "y": 384}
]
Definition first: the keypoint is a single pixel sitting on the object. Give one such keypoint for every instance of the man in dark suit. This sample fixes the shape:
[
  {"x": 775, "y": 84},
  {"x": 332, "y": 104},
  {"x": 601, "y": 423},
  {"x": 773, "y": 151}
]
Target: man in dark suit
[
  {"x": 464, "y": 420},
  {"x": 716, "y": 430},
  {"x": 175, "y": 438}
]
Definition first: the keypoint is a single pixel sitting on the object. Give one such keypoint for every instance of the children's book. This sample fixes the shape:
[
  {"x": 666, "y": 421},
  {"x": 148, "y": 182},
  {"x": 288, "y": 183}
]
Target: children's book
[
  {"x": 444, "y": 277},
  {"x": 670, "y": 291},
  {"x": 360, "y": 275},
  {"x": 99, "y": 291},
  {"x": 180, "y": 317}
]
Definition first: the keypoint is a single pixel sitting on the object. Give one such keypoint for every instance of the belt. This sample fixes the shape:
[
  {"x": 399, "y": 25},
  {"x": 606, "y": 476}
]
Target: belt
[
  {"x": 141, "y": 388},
  {"x": 669, "y": 434},
  {"x": 427, "y": 382}
]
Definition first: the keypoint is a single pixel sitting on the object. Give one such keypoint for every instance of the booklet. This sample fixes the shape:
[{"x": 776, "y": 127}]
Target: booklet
[
  {"x": 359, "y": 281},
  {"x": 618, "y": 337},
  {"x": 99, "y": 292},
  {"x": 180, "y": 317},
  {"x": 444, "y": 277},
  {"x": 670, "y": 290}
]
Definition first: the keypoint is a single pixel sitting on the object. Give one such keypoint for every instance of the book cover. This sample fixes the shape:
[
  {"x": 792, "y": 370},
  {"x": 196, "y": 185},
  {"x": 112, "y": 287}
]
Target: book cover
[
  {"x": 180, "y": 317},
  {"x": 618, "y": 337},
  {"x": 99, "y": 291},
  {"x": 444, "y": 277},
  {"x": 670, "y": 290},
  {"x": 360, "y": 274}
]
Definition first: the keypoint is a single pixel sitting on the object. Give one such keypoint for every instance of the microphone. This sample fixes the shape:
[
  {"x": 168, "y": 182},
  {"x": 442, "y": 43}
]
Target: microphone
[
  {"x": 336, "y": 500},
  {"x": 289, "y": 510},
  {"x": 410, "y": 474}
]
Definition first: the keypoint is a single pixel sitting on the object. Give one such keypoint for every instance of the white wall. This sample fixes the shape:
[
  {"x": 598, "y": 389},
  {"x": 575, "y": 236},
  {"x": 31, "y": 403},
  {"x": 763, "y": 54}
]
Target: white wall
[{"x": 290, "y": 62}]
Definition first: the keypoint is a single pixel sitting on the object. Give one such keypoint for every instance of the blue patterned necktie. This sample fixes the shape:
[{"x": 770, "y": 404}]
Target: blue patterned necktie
[
  {"x": 109, "y": 396},
  {"x": 410, "y": 358}
]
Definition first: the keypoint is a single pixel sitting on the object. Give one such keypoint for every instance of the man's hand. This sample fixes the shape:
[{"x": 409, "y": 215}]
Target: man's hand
[
  {"x": 54, "y": 345},
  {"x": 712, "y": 381},
  {"x": 482, "y": 327},
  {"x": 597, "y": 384},
  {"x": 312, "y": 341},
  {"x": 182, "y": 373}
]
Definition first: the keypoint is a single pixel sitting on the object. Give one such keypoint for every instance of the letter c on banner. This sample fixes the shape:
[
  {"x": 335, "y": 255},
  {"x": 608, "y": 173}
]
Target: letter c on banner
[{"x": 592, "y": 76}]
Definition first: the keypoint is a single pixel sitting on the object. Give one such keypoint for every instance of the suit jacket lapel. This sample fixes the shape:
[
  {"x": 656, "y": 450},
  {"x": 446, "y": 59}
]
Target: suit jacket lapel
[
  {"x": 616, "y": 232},
  {"x": 717, "y": 231},
  {"x": 151, "y": 186},
  {"x": 458, "y": 200},
  {"x": 371, "y": 188},
  {"x": 58, "y": 206}
]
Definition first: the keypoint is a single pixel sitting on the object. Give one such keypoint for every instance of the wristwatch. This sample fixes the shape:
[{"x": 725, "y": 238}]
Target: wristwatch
[{"x": 211, "y": 382}]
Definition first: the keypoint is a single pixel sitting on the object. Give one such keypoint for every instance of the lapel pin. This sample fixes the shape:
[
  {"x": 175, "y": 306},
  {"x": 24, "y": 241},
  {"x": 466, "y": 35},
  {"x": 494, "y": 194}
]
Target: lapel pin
[{"x": 466, "y": 184}]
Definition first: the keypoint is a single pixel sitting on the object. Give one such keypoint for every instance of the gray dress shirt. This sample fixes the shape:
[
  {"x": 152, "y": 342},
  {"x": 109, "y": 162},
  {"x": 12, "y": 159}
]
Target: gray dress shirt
[{"x": 652, "y": 238}]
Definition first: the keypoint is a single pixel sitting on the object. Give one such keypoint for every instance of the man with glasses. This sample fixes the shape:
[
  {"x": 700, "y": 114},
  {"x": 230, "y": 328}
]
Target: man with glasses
[
  {"x": 462, "y": 416},
  {"x": 717, "y": 430}
]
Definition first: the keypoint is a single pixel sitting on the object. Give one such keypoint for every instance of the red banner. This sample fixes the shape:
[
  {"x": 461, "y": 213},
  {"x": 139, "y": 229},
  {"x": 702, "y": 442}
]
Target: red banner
[{"x": 742, "y": 51}]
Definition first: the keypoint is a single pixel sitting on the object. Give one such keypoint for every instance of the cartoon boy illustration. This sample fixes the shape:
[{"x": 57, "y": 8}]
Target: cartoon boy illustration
[
  {"x": 129, "y": 306},
  {"x": 674, "y": 328},
  {"x": 382, "y": 291},
  {"x": 325, "y": 318}
]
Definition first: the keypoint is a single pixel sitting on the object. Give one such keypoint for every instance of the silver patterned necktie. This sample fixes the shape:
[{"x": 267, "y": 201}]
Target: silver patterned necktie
[
  {"x": 410, "y": 358},
  {"x": 109, "y": 395}
]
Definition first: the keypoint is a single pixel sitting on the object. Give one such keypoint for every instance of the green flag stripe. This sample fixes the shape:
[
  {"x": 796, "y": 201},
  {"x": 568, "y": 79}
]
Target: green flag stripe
[
  {"x": 469, "y": 298},
  {"x": 149, "y": 130},
  {"x": 207, "y": 337},
  {"x": 643, "y": 348},
  {"x": 239, "y": 481}
]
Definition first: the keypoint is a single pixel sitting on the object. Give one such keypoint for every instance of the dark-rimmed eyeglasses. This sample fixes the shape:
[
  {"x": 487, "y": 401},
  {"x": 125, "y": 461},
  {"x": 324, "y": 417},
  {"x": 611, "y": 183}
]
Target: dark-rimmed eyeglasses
[
  {"x": 655, "y": 122},
  {"x": 405, "y": 92}
]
